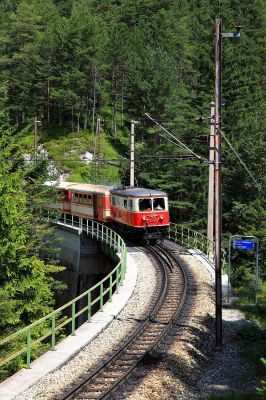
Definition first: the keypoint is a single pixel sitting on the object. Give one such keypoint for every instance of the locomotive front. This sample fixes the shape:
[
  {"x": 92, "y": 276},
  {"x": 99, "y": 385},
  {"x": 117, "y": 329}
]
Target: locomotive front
[{"x": 141, "y": 213}]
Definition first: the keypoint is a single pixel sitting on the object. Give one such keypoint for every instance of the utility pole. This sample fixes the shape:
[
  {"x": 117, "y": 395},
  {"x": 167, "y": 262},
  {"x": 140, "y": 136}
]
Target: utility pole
[
  {"x": 132, "y": 153},
  {"x": 36, "y": 122},
  {"x": 210, "y": 225},
  {"x": 217, "y": 174}
]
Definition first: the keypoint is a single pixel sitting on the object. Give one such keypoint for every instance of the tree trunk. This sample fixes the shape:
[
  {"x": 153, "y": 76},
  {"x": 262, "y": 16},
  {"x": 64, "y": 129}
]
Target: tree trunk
[
  {"x": 78, "y": 127},
  {"x": 94, "y": 98},
  {"x": 72, "y": 118},
  {"x": 114, "y": 92},
  {"x": 48, "y": 101},
  {"x": 122, "y": 101},
  {"x": 86, "y": 113}
]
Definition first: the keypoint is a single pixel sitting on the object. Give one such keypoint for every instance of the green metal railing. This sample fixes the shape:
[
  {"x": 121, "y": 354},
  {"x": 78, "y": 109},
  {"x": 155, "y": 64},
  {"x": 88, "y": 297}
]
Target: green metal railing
[
  {"x": 48, "y": 326},
  {"x": 194, "y": 240}
]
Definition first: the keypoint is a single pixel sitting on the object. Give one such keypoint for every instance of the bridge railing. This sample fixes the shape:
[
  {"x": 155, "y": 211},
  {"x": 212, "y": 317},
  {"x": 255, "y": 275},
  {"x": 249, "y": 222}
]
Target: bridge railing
[
  {"x": 49, "y": 328},
  {"x": 192, "y": 239}
]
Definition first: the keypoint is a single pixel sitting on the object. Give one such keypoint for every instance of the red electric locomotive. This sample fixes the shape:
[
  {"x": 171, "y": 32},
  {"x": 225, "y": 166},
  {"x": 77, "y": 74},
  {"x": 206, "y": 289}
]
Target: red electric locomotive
[
  {"x": 138, "y": 212},
  {"x": 141, "y": 213}
]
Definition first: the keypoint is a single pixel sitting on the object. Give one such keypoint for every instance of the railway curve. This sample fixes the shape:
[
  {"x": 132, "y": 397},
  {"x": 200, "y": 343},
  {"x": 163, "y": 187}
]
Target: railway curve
[{"x": 102, "y": 382}]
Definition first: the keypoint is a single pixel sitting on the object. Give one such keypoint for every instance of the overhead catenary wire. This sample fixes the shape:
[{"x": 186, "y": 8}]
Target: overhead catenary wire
[
  {"x": 202, "y": 159},
  {"x": 178, "y": 155},
  {"x": 241, "y": 161},
  {"x": 171, "y": 141}
]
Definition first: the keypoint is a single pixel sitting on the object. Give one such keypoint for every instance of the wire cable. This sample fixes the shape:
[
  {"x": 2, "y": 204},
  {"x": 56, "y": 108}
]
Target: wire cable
[
  {"x": 171, "y": 141},
  {"x": 241, "y": 161},
  {"x": 202, "y": 159}
]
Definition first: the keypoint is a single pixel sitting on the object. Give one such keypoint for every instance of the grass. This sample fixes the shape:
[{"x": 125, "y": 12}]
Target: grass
[
  {"x": 254, "y": 336},
  {"x": 66, "y": 148},
  {"x": 255, "y": 312},
  {"x": 252, "y": 340}
]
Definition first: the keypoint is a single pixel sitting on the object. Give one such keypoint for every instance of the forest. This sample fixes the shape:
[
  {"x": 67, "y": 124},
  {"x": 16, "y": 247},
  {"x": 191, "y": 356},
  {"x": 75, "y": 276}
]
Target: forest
[{"x": 71, "y": 63}]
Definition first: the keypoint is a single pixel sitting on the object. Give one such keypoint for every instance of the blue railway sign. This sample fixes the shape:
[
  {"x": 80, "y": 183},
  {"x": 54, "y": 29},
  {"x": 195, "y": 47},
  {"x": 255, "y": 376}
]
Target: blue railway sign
[
  {"x": 241, "y": 242},
  {"x": 246, "y": 244}
]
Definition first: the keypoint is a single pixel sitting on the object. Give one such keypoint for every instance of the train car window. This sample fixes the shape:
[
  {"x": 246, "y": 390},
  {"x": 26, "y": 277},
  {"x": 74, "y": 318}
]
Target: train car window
[
  {"x": 66, "y": 196},
  {"x": 113, "y": 200},
  {"x": 130, "y": 204},
  {"x": 85, "y": 200},
  {"x": 145, "y": 205},
  {"x": 89, "y": 200},
  {"x": 100, "y": 202},
  {"x": 125, "y": 203},
  {"x": 76, "y": 197},
  {"x": 158, "y": 204}
]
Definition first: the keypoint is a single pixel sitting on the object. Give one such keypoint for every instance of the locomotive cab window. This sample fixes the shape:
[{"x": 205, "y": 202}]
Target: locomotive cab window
[
  {"x": 130, "y": 204},
  {"x": 159, "y": 204},
  {"x": 125, "y": 203},
  {"x": 145, "y": 205}
]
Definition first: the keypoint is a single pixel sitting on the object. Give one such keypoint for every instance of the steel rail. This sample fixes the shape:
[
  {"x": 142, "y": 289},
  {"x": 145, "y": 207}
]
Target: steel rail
[{"x": 111, "y": 373}]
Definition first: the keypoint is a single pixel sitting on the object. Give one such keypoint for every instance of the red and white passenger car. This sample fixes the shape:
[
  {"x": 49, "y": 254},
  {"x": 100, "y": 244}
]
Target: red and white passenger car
[{"x": 85, "y": 200}]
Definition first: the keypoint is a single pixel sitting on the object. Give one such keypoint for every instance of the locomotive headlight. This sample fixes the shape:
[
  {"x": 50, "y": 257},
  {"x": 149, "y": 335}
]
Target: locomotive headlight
[
  {"x": 144, "y": 218},
  {"x": 161, "y": 217}
]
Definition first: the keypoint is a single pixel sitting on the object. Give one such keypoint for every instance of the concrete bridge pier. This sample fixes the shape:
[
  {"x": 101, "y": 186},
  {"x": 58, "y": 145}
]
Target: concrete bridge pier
[{"x": 86, "y": 261}]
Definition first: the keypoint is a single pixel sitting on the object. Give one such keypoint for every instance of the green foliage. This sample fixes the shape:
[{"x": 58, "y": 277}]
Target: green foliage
[
  {"x": 254, "y": 346},
  {"x": 262, "y": 295},
  {"x": 27, "y": 245},
  {"x": 262, "y": 390},
  {"x": 71, "y": 62}
]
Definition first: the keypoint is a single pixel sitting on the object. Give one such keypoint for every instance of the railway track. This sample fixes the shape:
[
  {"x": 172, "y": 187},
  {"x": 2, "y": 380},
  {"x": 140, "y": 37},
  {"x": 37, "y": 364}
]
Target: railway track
[{"x": 101, "y": 383}]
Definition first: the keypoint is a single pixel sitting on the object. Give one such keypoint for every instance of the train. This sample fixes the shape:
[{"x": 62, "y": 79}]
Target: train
[{"x": 139, "y": 213}]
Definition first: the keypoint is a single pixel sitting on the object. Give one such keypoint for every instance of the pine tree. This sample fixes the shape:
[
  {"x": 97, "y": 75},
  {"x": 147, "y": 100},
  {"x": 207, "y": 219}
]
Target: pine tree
[
  {"x": 19, "y": 30},
  {"x": 24, "y": 278}
]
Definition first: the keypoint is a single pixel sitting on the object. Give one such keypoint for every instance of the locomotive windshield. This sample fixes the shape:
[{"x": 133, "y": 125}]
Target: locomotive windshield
[
  {"x": 145, "y": 204},
  {"x": 158, "y": 203},
  {"x": 152, "y": 204}
]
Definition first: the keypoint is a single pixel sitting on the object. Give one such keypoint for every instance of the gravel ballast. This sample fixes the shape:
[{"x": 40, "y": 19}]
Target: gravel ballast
[{"x": 186, "y": 365}]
